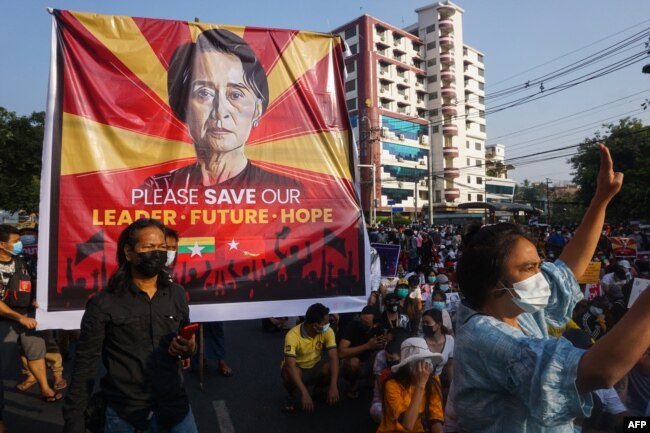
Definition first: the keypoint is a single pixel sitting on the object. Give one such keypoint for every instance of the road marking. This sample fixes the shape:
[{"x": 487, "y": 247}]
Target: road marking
[{"x": 223, "y": 417}]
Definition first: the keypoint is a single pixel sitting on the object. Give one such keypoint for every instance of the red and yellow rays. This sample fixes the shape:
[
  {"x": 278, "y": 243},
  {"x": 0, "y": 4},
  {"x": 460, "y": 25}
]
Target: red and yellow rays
[{"x": 116, "y": 115}]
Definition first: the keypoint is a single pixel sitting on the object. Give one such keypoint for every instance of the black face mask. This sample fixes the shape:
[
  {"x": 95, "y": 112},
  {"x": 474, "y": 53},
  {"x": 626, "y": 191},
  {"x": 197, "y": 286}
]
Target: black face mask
[
  {"x": 150, "y": 263},
  {"x": 428, "y": 330}
]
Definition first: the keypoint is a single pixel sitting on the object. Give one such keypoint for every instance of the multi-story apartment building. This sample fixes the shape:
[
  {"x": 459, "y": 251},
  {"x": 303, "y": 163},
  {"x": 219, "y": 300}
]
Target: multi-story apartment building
[
  {"x": 416, "y": 101},
  {"x": 498, "y": 188}
]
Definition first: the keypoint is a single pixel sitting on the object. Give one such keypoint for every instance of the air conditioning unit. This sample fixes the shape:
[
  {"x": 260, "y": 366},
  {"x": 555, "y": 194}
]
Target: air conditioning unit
[
  {"x": 400, "y": 184},
  {"x": 422, "y": 163},
  {"x": 402, "y": 137},
  {"x": 396, "y": 42},
  {"x": 424, "y": 139},
  {"x": 406, "y": 96},
  {"x": 400, "y": 159},
  {"x": 406, "y": 80},
  {"x": 384, "y": 132},
  {"x": 423, "y": 183},
  {"x": 382, "y": 38},
  {"x": 382, "y": 72}
]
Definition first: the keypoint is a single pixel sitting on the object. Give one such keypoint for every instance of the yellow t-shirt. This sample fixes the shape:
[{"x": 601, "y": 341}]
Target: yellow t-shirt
[
  {"x": 397, "y": 399},
  {"x": 307, "y": 350}
]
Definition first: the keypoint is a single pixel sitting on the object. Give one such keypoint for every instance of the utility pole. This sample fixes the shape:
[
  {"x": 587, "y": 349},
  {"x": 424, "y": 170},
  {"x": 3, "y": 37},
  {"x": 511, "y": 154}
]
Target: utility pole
[
  {"x": 373, "y": 205},
  {"x": 548, "y": 203}
]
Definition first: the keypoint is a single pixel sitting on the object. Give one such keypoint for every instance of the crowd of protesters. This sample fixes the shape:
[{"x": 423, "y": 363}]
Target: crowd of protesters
[{"x": 522, "y": 347}]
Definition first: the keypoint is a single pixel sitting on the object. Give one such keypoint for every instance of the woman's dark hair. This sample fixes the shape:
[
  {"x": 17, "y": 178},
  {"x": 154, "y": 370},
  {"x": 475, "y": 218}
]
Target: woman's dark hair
[
  {"x": 121, "y": 279},
  {"x": 179, "y": 75},
  {"x": 316, "y": 313},
  {"x": 485, "y": 252},
  {"x": 436, "y": 316}
]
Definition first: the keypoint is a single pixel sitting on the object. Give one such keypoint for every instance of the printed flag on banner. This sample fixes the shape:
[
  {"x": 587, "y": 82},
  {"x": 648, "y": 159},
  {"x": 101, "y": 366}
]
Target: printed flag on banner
[
  {"x": 236, "y": 137},
  {"x": 624, "y": 247}
]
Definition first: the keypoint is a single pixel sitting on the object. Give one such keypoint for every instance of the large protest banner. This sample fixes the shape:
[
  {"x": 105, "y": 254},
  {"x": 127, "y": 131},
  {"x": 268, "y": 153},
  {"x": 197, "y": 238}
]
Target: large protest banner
[{"x": 236, "y": 137}]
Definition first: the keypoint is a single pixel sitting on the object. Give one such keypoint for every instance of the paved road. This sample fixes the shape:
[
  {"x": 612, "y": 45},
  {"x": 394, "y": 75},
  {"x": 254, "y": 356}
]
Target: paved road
[{"x": 249, "y": 401}]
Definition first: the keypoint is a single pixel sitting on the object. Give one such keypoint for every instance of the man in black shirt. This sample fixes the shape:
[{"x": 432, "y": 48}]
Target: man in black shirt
[
  {"x": 360, "y": 339},
  {"x": 133, "y": 326}
]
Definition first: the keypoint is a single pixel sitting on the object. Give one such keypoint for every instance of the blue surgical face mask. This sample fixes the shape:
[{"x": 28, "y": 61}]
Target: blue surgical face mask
[
  {"x": 17, "y": 249},
  {"x": 171, "y": 255},
  {"x": 28, "y": 239},
  {"x": 324, "y": 329},
  {"x": 439, "y": 305},
  {"x": 596, "y": 311},
  {"x": 431, "y": 280},
  {"x": 444, "y": 287}
]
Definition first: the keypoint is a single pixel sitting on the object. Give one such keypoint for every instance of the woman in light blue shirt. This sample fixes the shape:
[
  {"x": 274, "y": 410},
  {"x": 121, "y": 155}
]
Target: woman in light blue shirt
[{"x": 509, "y": 376}]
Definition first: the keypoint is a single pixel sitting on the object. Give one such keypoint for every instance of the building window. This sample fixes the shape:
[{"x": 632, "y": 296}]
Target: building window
[
  {"x": 431, "y": 28},
  {"x": 469, "y": 197},
  {"x": 481, "y": 72},
  {"x": 352, "y": 31},
  {"x": 435, "y": 129},
  {"x": 431, "y": 45},
  {"x": 434, "y": 112},
  {"x": 350, "y": 85},
  {"x": 385, "y": 104},
  {"x": 469, "y": 179},
  {"x": 438, "y": 196},
  {"x": 482, "y": 127},
  {"x": 479, "y": 180},
  {"x": 351, "y": 66},
  {"x": 477, "y": 146},
  {"x": 479, "y": 163},
  {"x": 468, "y": 164},
  {"x": 481, "y": 114},
  {"x": 481, "y": 100},
  {"x": 433, "y": 95},
  {"x": 354, "y": 49},
  {"x": 467, "y": 146},
  {"x": 432, "y": 79},
  {"x": 352, "y": 104},
  {"x": 479, "y": 197},
  {"x": 481, "y": 86},
  {"x": 431, "y": 62},
  {"x": 480, "y": 58},
  {"x": 465, "y": 51}
]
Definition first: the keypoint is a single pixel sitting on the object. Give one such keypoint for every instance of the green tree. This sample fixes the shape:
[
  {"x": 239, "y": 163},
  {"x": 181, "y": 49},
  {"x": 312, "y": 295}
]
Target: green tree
[
  {"x": 21, "y": 147},
  {"x": 629, "y": 144}
]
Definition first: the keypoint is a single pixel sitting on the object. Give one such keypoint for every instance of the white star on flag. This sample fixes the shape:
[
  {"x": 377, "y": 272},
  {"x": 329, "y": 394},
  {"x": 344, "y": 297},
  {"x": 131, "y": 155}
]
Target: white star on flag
[
  {"x": 233, "y": 245},
  {"x": 196, "y": 250}
]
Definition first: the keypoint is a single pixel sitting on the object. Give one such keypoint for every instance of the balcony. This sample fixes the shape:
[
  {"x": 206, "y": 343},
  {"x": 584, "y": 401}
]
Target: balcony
[
  {"x": 448, "y": 75},
  {"x": 447, "y": 58},
  {"x": 446, "y": 41},
  {"x": 449, "y": 110},
  {"x": 452, "y": 194},
  {"x": 446, "y": 11},
  {"x": 446, "y": 26},
  {"x": 450, "y": 130},
  {"x": 451, "y": 172},
  {"x": 448, "y": 92},
  {"x": 450, "y": 152}
]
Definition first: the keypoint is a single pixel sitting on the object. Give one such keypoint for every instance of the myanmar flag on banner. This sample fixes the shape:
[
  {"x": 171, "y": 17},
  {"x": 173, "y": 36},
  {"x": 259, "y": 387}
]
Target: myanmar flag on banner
[{"x": 201, "y": 248}]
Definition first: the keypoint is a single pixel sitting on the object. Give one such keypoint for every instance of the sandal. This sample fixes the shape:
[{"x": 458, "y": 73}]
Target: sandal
[
  {"x": 52, "y": 398},
  {"x": 60, "y": 384},
  {"x": 25, "y": 385},
  {"x": 224, "y": 369}
]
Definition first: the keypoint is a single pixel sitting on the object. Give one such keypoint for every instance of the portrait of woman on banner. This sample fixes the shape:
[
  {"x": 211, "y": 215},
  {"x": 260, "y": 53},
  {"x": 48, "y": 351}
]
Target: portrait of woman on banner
[{"x": 219, "y": 89}]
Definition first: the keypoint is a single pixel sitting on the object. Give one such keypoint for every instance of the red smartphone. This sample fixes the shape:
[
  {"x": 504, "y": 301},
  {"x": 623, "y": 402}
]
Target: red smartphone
[{"x": 188, "y": 331}]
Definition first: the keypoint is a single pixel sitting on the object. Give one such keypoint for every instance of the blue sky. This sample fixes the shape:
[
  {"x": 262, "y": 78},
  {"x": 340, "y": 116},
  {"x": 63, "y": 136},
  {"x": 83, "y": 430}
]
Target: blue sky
[{"x": 521, "y": 40}]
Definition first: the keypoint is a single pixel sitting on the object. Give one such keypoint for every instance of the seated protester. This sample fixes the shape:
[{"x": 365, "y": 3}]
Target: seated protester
[
  {"x": 392, "y": 318},
  {"x": 413, "y": 309},
  {"x": 402, "y": 289},
  {"x": 412, "y": 397},
  {"x": 359, "y": 341},
  {"x": 594, "y": 320},
  {"x": 608, "y": 411},
  {"x": 384, "y": 360},
  {"x": 303, "y": 363},
  {"x": 438, "y": 340},
  {"x": 439, "y": 302},
  {"x": 615, "y": 280}
]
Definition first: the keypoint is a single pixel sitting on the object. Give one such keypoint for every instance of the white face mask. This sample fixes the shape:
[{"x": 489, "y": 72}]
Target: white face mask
[
  {"x": 171, "y": 255},
  {"x": 533, "y": 293}
]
